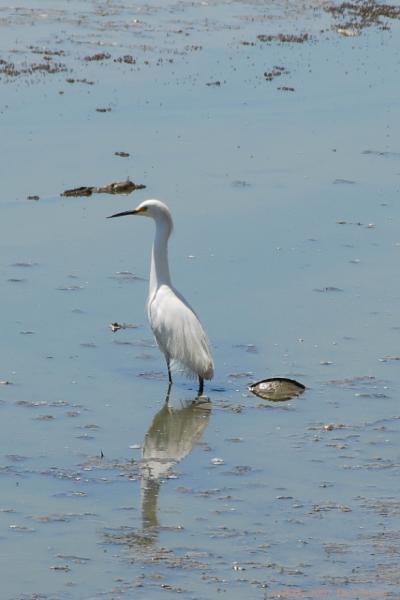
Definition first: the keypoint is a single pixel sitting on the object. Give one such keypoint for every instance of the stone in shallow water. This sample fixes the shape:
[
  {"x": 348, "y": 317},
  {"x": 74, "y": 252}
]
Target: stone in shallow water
[{"x": 277, "y": 389}]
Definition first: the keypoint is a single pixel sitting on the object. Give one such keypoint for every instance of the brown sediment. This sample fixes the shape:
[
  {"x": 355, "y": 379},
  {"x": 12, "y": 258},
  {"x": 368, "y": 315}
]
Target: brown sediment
[{"x": 284, "y": 38}]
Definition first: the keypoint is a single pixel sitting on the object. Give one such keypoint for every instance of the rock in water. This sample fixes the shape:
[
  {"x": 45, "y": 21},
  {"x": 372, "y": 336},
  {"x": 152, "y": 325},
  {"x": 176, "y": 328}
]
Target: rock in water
[{"x": 277, "y": 389}]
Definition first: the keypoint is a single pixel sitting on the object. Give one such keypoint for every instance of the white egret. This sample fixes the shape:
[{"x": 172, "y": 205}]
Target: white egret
[{"x": 176, "y": 327}]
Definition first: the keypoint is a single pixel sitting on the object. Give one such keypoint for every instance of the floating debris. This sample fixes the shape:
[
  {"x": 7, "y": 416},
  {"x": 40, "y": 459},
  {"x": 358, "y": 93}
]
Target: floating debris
[
  {"x": 116, "y": 326},
  {"x": 31, "y": 403},
  {"x": 284, "y": 38},
  {"x": 389, "y": 358},
  {"x": 72, "y": 80},
  {"x": 276, "y": 72},
  {"x": 64, "y": 568},
  {"x": 21, "y": 528},
  {"x": 343, "y": 181},
  {"x": 381, "y": 153},
  {"x": 79, "y": 560},
  {"x": 126, "y": 276},
  {"x": 122, "y": 154},
  {"x": 277, "y": 389},
  {"x": 10, "y": 70},
  {"x": 83, "y": 190},
  {"x": 356, "y": 16},
  {"x": 127, "y": 59},
  {"x": 332, "y": 426},
  {"x": 117, "y": 187},
  {"x": 98, "y": 56},
  {"x": 347, "y": 31},
  {"x": 120, "y": 187},
  {"x": 328, "y": 506},
  {"x": 46, "y": 51},
  {"x": 33, "y": 197},
  {"x": 240, "y": 470},
  {"x": 327, "y": 289}
]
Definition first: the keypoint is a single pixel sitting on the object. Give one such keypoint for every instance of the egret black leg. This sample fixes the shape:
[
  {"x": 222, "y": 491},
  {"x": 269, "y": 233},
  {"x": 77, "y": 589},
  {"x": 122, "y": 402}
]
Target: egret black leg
[
  {"x": 201, "y": 386},
  {"x": 168, "y": 392},
  {"x": 169, "y": 372}
]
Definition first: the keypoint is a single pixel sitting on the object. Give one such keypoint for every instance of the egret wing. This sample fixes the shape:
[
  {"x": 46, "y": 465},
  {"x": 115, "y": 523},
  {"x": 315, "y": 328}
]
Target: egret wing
[{"x": 179, "y": 333}]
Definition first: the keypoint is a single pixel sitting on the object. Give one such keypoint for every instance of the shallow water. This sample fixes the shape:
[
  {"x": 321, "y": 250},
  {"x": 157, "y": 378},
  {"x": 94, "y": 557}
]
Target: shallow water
[{"x": 286, "y": 242}]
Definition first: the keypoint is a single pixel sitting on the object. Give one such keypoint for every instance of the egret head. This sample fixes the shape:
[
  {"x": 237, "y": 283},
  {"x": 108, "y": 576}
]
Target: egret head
[{"x": 155, "y": 209}]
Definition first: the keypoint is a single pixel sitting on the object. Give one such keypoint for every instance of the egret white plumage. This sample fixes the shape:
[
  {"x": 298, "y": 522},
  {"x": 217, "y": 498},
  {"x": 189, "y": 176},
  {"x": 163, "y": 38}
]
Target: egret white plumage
[{"x": 176, "y": 327}]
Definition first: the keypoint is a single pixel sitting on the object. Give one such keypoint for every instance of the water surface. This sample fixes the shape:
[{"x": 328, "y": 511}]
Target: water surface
[{"x": 287, "y": 243}]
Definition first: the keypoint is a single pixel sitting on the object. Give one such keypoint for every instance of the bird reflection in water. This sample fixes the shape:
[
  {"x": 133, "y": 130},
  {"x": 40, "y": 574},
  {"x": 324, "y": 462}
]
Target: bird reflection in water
[
  {"x": 172, "y": 434},
  {"x": 170, "y": 438}
]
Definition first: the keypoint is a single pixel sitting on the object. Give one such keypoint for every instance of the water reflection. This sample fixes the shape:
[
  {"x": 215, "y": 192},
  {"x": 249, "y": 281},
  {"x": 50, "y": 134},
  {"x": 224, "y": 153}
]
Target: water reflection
[{"x": 170, "y": 438}]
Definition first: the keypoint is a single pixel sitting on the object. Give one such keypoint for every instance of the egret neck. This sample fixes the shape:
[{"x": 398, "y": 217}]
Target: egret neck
[{"x": 159, "y": 269}]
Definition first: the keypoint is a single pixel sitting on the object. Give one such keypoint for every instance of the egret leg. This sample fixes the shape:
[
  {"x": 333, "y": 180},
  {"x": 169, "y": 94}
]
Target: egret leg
[
  {"x": 169, "y": 372},
  {"x": 201, "y": 387},
  {"x": 168, "y": 393}
]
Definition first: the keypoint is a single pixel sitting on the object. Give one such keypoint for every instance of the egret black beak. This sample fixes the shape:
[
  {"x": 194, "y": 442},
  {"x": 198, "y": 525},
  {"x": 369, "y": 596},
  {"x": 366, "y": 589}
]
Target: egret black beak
[{"x": 124, "y": 214}]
